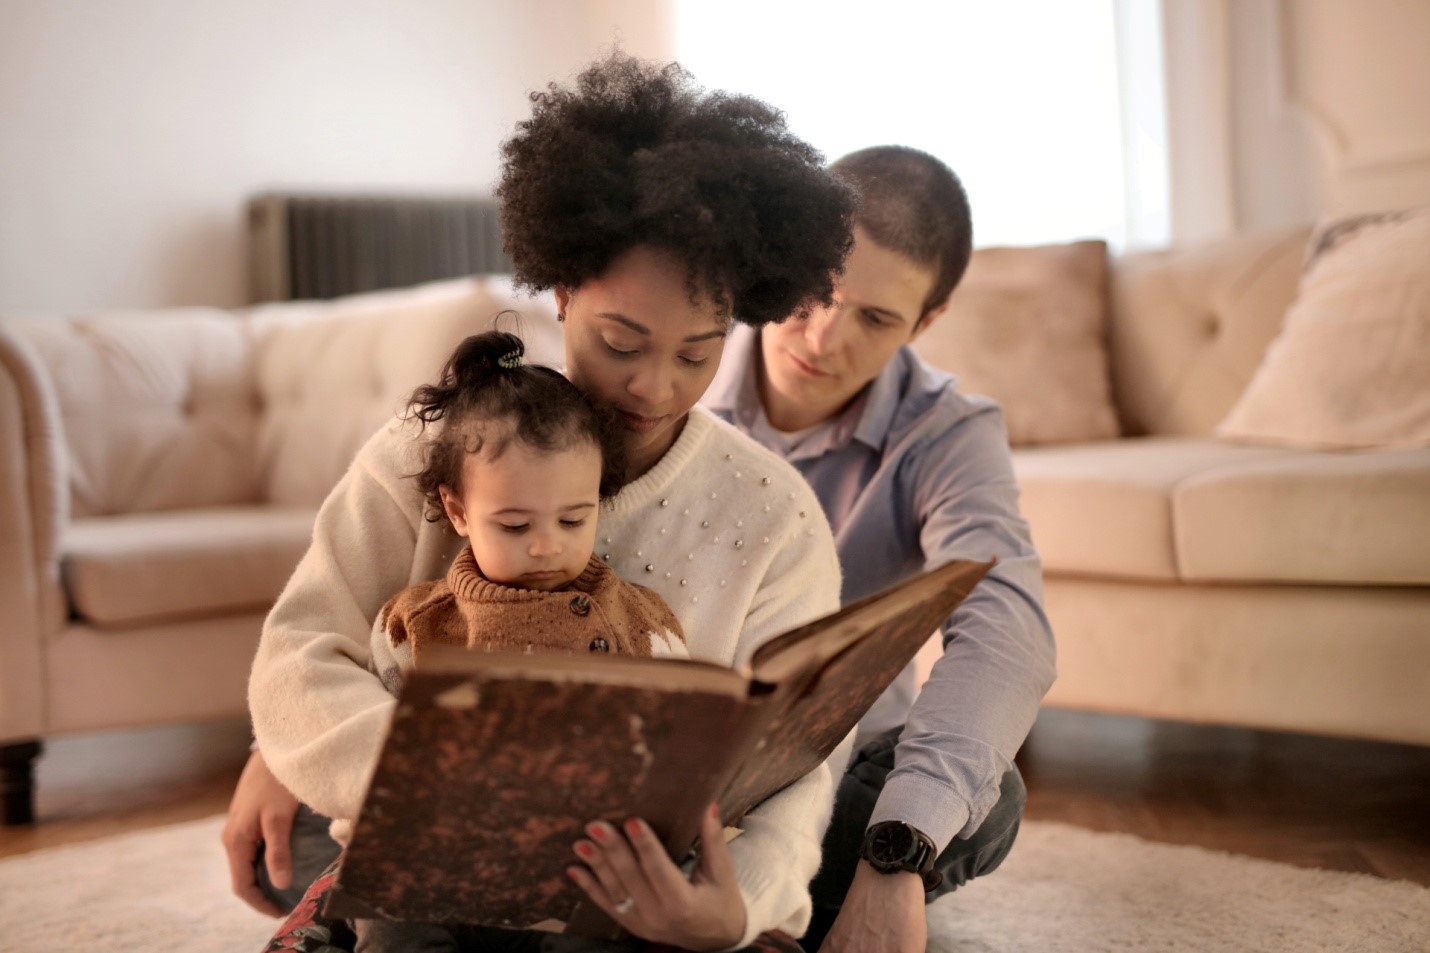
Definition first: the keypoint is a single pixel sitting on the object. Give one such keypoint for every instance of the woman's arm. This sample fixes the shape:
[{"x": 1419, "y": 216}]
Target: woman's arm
[
  {"x": 778, "y": 853},
  {"x": 318, "y": 712},
  {"x": 770, "y": 864}
]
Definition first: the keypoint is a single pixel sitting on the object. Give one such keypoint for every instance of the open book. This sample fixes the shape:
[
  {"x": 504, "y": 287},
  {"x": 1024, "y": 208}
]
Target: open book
[{"x": 494, "y": 762}]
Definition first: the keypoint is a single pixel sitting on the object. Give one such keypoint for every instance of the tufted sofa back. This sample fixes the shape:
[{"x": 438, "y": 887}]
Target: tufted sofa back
[
  {"x": 328, "y": 374},
  {"x": 1189, "y": 327},
  {"x": 191, "y": 407},
  {"x": 157, "y": 410}
]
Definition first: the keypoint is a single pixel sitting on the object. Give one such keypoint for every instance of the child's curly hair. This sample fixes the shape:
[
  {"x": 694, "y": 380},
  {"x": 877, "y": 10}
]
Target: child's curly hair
[
  {"x": 638, "y": 154},
  {"x": 485, "y": 383}
]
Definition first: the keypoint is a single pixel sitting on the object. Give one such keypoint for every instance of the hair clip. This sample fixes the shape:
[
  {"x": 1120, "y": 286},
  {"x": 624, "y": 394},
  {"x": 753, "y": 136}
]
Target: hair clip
[{"x": 510, "y": 359}]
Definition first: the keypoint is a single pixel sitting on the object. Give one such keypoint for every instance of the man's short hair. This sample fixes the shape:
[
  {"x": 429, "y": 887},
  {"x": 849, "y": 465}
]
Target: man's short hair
[{"x": 913, "y": 204}]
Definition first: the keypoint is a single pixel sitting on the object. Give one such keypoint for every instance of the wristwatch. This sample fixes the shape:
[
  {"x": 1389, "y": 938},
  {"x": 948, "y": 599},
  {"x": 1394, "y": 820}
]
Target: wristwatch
[{"x": 892, "y": 846}]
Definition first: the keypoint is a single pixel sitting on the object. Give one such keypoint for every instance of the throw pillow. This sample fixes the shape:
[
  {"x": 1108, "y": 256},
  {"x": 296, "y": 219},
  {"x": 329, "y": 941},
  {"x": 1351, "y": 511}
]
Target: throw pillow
[
  {"x": 1351, "y": 366},
  {"x": 1028, "y": 327}
]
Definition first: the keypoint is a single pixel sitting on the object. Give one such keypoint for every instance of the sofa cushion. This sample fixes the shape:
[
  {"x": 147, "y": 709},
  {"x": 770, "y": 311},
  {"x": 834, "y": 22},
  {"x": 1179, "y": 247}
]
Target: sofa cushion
[
  {"x": 1105, "y": 509},
  {"x": 123, "y": 570},
  {"x": 1028, "y": 327},
  {"x": 331, "y": 373},
  {"x": 1333, "y": 518},
  {"x": 158, "y": 408},
  {"x": 1189, "y": 327},
  {"x": 1351, "y": 367}
]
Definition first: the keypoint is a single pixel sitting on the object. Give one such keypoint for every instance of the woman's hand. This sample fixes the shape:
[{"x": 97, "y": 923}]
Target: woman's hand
[
  {"x": 629, "y": 876},
  {"x": 261, "y": 812}
]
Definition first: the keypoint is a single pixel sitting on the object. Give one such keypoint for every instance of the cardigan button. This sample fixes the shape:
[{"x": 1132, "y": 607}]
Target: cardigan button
[
  {"x": 581, "y": 605},
  {"x": 600, "y": 645}
]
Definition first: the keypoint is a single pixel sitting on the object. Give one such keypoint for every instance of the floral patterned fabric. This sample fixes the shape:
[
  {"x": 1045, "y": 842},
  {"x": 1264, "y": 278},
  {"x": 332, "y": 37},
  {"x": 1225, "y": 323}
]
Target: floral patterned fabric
[{"x": 307, "y": 931}]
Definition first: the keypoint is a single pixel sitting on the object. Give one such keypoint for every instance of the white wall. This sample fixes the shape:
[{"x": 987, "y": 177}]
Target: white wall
[
  {"x": 1331, "y": 108},
  {"x": 131, "y": 132}
]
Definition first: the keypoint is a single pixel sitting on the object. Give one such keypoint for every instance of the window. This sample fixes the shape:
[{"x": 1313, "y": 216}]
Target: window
[{"x": 1031, "y": 102}]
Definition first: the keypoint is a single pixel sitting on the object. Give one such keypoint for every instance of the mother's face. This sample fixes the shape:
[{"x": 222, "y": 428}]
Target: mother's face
[{"x": 636, "y": 341}]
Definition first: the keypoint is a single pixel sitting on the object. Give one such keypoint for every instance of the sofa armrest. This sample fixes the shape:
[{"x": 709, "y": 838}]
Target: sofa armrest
[{"x": 33, "y": 510}]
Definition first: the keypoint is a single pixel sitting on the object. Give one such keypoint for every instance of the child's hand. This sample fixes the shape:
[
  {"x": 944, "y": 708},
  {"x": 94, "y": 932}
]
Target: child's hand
[{"x": 629, "y": 875}]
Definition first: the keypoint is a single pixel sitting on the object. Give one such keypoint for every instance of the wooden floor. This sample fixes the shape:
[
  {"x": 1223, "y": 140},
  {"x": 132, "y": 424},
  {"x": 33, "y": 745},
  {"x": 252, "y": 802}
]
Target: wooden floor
[
  {"x": 1319, "y": 802},
  {"x": 1299, "y": 799}
]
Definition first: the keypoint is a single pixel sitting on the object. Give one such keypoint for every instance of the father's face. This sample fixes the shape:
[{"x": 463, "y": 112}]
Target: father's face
[{"x": 814, "y": 366}]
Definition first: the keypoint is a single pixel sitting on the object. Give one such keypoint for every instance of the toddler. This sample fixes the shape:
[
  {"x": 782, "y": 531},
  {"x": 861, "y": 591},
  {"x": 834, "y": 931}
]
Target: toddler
[{"x": 518, "y": 462}]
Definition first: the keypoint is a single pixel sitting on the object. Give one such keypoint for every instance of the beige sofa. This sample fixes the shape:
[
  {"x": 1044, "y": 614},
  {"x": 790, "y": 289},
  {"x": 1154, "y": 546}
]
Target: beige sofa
[
  {"x": 1194, "y": 579},
  {"x": 160, "y": 475},
  {"x": 160, "y": 472}
]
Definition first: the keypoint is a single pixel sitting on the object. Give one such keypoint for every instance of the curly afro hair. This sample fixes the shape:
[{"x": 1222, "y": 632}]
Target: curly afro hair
[{"x": 639, "y": 154}]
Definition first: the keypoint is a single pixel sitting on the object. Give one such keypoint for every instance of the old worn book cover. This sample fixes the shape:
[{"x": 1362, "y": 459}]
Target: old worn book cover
[{"x": 494, "y": 762}]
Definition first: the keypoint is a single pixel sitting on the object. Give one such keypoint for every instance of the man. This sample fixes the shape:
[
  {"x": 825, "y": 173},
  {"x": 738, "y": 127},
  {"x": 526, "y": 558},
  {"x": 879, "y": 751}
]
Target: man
[{"x": 911, "y": 475}]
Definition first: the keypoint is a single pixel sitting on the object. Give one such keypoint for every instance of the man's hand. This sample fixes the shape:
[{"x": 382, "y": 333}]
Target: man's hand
[
  {"x": 629, "y": 875},
  {"x": 261, "y": 812},
  {"x": 882, "y": 913}
]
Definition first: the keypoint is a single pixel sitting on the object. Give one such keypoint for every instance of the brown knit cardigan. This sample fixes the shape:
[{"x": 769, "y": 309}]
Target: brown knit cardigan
[{"x": 598, "y": 612}]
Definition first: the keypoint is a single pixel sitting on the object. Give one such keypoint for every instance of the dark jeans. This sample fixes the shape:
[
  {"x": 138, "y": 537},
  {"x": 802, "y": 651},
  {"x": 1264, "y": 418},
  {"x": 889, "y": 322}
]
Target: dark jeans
[
  {"x": 961, "y": 861},
  {"x": 312, "y": 850}
]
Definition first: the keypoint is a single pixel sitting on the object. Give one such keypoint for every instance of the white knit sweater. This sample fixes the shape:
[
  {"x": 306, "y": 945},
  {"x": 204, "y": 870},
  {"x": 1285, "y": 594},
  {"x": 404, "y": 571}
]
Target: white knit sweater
[{"x": 726, "y": 532}]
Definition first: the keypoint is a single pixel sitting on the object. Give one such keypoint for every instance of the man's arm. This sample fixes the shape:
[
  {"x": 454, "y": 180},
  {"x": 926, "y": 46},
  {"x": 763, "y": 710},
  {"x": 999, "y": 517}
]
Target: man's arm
[
  {"x": 983, "y": 694},
  {"x": 981, "y": 698}
]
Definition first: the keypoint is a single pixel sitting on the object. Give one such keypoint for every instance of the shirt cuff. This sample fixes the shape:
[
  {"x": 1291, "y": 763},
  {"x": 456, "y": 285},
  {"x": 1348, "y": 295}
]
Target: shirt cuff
[{"x": 934, "y": 808}]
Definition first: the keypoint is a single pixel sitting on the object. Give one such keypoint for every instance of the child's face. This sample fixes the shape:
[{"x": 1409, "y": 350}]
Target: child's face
[{"x": 530, "y": 515}]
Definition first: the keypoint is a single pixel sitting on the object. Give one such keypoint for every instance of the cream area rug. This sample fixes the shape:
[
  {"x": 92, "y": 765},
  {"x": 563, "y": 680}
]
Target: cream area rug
[{"x": 1062, "y": 889}]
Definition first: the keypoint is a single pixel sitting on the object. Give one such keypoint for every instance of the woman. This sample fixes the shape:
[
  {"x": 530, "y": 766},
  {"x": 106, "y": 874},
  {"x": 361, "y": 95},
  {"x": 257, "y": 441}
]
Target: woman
[{"x": 655, "y": 212}]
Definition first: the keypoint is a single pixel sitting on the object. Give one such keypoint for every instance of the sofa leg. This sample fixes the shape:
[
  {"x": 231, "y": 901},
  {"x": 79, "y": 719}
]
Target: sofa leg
[{"x": 17, "y": 781}]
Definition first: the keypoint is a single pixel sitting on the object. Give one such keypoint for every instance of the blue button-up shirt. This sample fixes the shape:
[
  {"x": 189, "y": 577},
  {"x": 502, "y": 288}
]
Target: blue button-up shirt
[{"x": 912, "y": 475}]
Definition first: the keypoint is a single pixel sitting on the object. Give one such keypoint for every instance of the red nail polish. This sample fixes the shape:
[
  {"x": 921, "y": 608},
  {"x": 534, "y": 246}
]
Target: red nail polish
[
  {"x": 597, "y": 832},
  {"x": 633, "y": 827},
  {"x": 584, "y": 850}
]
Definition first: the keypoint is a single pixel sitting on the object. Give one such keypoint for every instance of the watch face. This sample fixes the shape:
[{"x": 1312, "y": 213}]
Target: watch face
[{"x": 892, "y": 844}]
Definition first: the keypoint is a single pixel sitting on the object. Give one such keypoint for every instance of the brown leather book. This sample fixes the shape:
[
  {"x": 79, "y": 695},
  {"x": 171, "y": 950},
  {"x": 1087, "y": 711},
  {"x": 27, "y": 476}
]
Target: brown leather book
[{"x": 494, "y": 762}]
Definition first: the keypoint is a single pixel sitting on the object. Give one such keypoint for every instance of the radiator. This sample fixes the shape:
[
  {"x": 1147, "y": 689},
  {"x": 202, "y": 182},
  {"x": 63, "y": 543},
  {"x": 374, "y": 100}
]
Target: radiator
[{"x": 323, "y": 246}]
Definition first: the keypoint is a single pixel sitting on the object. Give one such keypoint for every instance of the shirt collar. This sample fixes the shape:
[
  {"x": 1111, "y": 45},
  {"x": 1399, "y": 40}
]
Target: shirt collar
[{"x": 735, "y": 393}]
